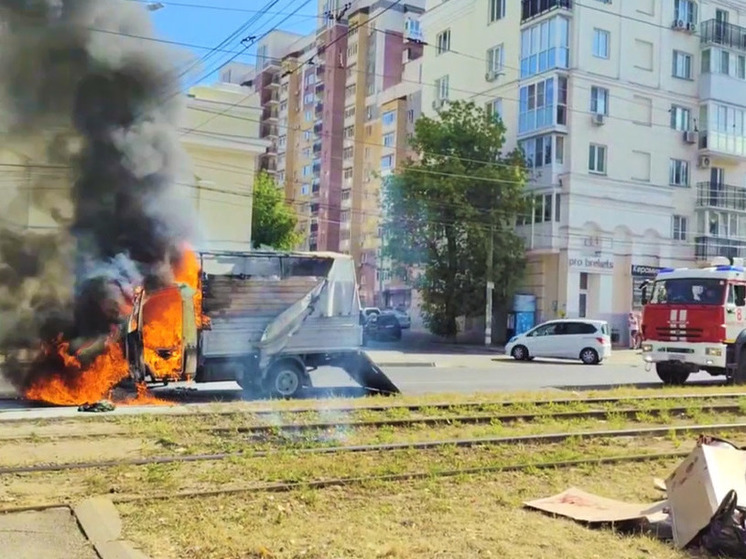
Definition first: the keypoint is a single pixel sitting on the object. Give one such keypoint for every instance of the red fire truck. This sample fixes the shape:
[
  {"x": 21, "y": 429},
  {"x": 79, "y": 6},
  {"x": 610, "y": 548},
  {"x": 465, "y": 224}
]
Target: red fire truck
[{"x": 694, "y": 319}]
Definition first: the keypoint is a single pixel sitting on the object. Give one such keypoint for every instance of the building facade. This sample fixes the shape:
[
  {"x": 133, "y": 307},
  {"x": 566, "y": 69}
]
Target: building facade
[
  {"x": 631, "y": 118},
  {"x": 320, "y": 111}
]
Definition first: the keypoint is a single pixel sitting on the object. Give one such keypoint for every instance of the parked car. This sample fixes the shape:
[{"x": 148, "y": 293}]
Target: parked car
[
  {"x": 569, "y": 338},
  {"x": 402, "y": 316},
  {"x": 380, "y": 327}
]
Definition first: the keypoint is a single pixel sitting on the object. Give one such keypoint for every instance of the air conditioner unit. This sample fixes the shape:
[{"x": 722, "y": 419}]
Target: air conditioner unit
[
  {"x": 492, "y": 75},
  {"x": 691, "y": 27},
  {"x": 704, "y": 162},
  {"x": 690, "y": 137},
  {"x": 598, "y": 118},
  {"x": 679, "y": 24}
]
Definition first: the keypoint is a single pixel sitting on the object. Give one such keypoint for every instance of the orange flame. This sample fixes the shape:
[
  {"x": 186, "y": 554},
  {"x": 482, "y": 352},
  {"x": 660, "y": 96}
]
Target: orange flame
[
  {"x": 163, "y": 320},
  {"x": 74, "y": 383}
]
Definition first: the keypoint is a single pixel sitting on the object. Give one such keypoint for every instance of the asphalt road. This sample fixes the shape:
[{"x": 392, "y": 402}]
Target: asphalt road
[{"x": 419, "y": 373}]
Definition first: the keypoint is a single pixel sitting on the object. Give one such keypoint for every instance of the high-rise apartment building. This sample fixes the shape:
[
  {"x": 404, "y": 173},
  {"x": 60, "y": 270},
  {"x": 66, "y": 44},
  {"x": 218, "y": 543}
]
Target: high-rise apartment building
[
  {"x": 321, "y": 101},
  {"x": 631, "y": 115}
]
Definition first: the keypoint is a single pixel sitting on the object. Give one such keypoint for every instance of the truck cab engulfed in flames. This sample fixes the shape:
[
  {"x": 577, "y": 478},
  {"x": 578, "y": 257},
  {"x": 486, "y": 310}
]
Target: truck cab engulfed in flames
[{"x": 262, "y": 319}]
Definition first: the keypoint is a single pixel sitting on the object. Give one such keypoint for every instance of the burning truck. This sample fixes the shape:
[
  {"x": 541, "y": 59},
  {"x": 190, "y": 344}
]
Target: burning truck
[
  {"x": 262, "y": 319},
  {"x": 107, "y": 288}
]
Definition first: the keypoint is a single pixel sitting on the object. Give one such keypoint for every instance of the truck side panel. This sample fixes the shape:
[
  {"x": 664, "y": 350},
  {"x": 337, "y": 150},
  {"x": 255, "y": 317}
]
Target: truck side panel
[{"x": 241, "y": 309}]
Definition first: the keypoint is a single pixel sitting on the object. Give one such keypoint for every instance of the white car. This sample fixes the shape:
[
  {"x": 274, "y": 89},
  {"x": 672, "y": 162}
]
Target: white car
[{"x": 568, "y": 338}]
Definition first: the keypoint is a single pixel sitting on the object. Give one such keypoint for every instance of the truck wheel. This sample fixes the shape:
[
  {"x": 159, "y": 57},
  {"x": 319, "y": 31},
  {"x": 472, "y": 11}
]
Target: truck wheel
[
  {"x": 284, "y": 380},
  {"x": 671, "y": 375}
]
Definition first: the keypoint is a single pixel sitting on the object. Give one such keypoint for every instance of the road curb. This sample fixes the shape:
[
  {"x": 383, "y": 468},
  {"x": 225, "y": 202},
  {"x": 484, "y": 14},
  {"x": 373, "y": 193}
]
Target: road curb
[
  {"x": 99, "y": 520},
  {"x": 406, "y": 364}
]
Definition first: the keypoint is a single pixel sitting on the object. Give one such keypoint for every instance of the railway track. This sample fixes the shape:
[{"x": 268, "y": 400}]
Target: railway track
[
  {"x": 286, "y": 486},
  {"x": 543, "y": 439},
  {"x": 285, "y": 429}
]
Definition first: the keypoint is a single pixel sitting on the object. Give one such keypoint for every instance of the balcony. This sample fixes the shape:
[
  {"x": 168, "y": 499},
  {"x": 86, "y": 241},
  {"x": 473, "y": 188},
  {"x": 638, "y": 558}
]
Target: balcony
[
  {"x": 268, "y": 131},
  {"x": 534, "y": 8},
  {"x": 713, "y": 32},
  {"x": 273, "y": 98},
  {"x": 706, "y": 248},
  {"x": 273, "y": 82},
  {"x": 270, "y": 114},
  {"x": 721, "y": 196},
  {"x": 722, "y": 144}
]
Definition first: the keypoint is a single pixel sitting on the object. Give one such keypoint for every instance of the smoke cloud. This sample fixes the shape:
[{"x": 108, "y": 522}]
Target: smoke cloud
[{"x": 89, "y": 114}]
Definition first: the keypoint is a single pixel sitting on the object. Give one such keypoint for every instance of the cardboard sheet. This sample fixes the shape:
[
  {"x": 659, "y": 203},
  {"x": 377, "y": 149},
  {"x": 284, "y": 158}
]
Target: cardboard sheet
[{"x": 585, "y": 507}]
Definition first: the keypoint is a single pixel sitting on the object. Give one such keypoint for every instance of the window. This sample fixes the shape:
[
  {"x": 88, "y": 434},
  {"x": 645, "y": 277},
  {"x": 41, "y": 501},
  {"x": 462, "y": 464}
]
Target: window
[
  {"x": 545, "y": 46},
  {"x": 441, "y": 88},
  {"x": 284, "y": 105},
  {"x": 680, "y": 117},
  {"x": 682, "y": 65},
  {"x": 679, "y": 226},
  {"x": 350, "y": 90},
  {"x": 495, "y": 59},
  {"x": 685, "y": 10},
  {"x": 306, "y": 170},
  {"x": 543, "y": 104},
  {"x": 306, "y": 135},
  {"x": 443, "y": 41},
  {"x": 678, "y": 172},
  {"x": 494, "y": 108},
  {"x": 308, "y": 116},
  {"x": 601, "y": 41},
  {"x": 305, "y": 189},
  {"x": 387, "y": 162},
  {"x": 310, "y": 78},
  {"x": 388, "y": 118},
  {"x": 347, "y": 173},
  {"x": 349, "y": 132},
  {"x": 350, "y": 111},
  {"x": 496, "y": 10},
  {"x": 557, "y": 200},
  {"x": 306, "y": 152},
  {"x": 308, "y": 99},
  {"x": 597, "y": 159},
  {"x": 389, "y": 139},
  {"x": 347, "y": 152},
  {"x": 538, "y": 151},
  {"x": 599, "y": 100}
]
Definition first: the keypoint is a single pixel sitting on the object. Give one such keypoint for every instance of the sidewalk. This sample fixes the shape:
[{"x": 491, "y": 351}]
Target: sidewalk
[{"x": 89, "y": 530}]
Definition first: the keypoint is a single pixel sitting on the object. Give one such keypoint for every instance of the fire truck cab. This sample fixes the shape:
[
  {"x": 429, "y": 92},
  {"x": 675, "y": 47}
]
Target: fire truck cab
[{"x": 694, "y": 319}]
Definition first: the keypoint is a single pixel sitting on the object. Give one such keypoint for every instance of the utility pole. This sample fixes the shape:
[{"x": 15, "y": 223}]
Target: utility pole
[{"x": 490, "y": 286}]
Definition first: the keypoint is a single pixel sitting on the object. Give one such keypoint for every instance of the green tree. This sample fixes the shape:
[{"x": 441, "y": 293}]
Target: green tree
[
  {"x": 273, "y": 222},
  {"x": 442, "y": 206}
]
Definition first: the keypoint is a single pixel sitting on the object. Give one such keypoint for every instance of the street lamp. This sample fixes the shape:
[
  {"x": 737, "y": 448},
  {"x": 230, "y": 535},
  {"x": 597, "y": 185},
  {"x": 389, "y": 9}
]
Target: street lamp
[{"x": 154, "y": 6}]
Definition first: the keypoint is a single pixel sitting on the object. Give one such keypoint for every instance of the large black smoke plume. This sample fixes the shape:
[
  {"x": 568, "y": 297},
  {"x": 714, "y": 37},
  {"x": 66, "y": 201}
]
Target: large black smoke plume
[{"x": 89, "y": 113}]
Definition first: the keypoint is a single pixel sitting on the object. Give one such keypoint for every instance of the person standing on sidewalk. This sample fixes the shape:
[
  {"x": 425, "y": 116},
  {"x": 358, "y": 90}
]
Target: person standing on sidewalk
[{"x": 634, "y": 329}]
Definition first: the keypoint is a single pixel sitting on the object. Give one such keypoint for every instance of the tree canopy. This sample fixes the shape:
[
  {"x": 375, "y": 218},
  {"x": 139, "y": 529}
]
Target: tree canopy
[
  {"x": 273, "y": 222},
  {"x": 441, "y": 206}
]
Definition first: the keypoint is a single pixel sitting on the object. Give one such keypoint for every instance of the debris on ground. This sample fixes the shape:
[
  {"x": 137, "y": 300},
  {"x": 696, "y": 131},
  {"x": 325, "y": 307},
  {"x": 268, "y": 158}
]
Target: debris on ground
[
  {"x": 98, "y": 407},
  {"x": 702, "y": 507}
]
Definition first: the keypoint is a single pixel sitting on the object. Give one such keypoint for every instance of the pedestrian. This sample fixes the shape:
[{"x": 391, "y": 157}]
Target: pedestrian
[{"x": 634, "y": 328}]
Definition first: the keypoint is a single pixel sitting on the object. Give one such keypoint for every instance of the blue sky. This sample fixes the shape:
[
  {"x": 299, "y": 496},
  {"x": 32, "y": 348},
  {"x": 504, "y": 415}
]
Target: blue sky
[{"x": 206, "y": 23}]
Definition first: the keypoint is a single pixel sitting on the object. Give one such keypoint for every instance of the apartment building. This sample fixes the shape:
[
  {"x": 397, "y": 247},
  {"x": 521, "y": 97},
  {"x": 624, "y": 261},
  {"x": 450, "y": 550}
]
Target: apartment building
[
  {"x": 631, "y": 115},
  {"x": 320, "y": 112}
]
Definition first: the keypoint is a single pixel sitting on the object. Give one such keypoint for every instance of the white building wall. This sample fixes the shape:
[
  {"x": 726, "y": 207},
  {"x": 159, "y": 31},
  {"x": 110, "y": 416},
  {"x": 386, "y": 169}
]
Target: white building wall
[{"x": 623, "y": 217}]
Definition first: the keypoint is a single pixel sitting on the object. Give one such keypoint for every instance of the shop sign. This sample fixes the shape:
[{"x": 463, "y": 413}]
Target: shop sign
[
  {"x": 639, "y": 270},
  {"x": 597, "y": 264}
]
